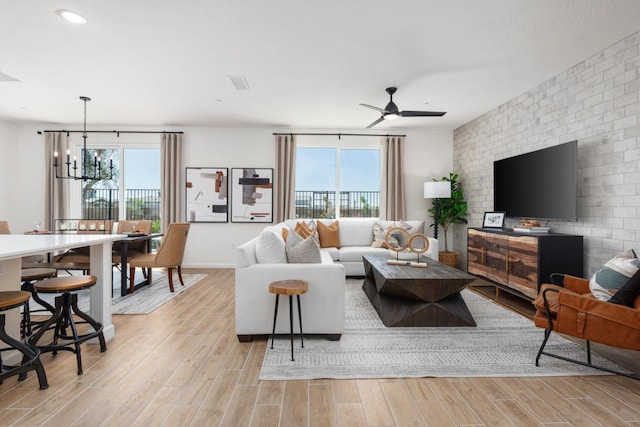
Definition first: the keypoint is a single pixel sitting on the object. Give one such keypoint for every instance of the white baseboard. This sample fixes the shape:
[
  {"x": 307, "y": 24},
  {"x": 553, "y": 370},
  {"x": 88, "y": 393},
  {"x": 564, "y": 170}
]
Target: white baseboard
[{"x": 208, "y": 266}]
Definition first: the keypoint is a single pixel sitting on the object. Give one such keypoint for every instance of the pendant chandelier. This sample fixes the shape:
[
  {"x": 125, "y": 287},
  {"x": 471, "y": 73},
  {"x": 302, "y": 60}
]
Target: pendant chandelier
[{"x": 85, "y": 174}]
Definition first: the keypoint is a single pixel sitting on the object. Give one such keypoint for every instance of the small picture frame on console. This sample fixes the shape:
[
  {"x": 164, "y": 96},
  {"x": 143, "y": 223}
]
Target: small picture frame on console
[{"x": 493, "y": 220}]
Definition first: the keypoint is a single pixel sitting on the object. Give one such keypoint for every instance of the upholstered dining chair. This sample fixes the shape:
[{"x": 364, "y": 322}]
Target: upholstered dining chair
[
  {"x": 132, "y": 227},
  {"x": 4, "y": 227},
  {"x": 84, "y": 226},
  {"x": 169, "y": 255}
]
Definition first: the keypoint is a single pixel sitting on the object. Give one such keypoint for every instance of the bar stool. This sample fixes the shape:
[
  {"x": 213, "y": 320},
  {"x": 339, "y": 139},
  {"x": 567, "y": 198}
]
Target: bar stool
[
  {"x": 289, "y": 288},
  {"x": 66, "y": 305},
  {"x": 30, "y": 356},
  {"x": 28, "y": 276}
]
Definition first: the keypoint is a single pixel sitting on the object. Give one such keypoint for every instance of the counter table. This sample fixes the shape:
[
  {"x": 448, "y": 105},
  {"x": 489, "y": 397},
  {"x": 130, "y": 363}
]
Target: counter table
[{"x": 14, "y": 246}]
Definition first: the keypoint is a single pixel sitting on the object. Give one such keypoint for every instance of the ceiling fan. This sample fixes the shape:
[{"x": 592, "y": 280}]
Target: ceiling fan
[{"x": 391, "y": 112}]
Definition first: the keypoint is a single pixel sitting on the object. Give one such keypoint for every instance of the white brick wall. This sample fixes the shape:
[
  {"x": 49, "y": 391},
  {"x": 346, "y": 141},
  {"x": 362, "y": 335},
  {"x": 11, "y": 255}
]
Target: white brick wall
[{"x": 595, "y": 102}]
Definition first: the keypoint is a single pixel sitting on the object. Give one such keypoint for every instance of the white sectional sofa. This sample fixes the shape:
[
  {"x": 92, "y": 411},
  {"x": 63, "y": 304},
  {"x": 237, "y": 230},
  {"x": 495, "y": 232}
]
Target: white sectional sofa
[{"x": 323, "y": 310}]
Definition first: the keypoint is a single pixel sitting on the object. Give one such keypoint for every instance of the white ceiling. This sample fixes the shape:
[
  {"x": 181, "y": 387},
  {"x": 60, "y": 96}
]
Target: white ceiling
[{"x": 308, "y": 63}]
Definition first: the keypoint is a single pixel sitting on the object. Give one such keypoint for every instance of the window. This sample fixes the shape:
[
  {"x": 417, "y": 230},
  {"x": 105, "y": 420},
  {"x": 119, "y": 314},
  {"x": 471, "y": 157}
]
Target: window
[
  {"x": 337, "y": 182},
  {"x": 132, "y": 193}
]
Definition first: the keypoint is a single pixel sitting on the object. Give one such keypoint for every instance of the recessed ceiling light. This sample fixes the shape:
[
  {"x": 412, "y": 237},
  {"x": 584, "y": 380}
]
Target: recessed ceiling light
[{"x": 71, "y": 16}]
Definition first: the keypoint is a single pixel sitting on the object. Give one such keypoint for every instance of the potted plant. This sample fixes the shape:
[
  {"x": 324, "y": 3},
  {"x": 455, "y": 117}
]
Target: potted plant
[{"x": 450, "y": 211}]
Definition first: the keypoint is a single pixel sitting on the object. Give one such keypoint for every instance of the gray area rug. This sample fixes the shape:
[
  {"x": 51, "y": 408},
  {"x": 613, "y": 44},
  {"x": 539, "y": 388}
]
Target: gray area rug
[
  {"x": 504, "y": 344},
  {"x": 143, "y": 301}
]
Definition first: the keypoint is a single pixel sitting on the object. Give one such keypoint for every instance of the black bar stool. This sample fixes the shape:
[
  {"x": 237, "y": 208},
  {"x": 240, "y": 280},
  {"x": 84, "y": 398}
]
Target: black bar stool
[
  {"x": 30, "y": 356},
  {"x": 289, "y": 288},
  {"x": 28, "y": 277},
  {"x": 66, "y": 305}
]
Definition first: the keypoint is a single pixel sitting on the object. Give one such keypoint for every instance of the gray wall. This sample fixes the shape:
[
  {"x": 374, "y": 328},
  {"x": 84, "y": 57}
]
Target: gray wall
[{"x": 595, "y": 102}]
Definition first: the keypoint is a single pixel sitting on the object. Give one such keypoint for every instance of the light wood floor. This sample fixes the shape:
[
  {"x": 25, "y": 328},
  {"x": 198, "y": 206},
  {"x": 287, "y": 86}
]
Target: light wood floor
[{"x": 182, "y": 365}]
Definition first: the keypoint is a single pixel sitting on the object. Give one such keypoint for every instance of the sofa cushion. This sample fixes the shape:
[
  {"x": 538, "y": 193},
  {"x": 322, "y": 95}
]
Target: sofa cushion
[
  {"x": 355, "y": 253},
  {"x": 270, "y": 248},
  {"x": 301, "y": 250},
  {"x": 329, "y": 234},
  {"x": 356, "y": 232},
  {"x": 334, "y": 253},
  {"x": 613, "y": 275}
]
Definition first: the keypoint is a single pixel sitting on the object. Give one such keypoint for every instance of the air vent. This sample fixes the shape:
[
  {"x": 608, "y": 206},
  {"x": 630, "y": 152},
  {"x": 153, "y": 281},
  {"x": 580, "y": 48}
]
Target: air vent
[{"x": 239, "y": 82}]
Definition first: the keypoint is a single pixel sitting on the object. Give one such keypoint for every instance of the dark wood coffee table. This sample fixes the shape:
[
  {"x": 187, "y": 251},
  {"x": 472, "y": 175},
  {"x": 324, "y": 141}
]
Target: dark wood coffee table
[{"x": 410, "y": 296}]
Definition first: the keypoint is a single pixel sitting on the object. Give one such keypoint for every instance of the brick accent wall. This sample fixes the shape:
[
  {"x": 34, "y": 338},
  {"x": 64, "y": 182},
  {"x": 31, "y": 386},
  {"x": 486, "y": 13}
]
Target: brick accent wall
[{"x": 595, "y": 102}]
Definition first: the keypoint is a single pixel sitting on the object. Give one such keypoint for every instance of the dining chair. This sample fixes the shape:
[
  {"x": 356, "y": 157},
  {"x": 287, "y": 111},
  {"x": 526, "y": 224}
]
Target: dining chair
[
  {"x": 81, "y": 255},
  {"x": 169, "y": 255},
  {"x": 132, "y": 227},
  {"x": 4, "y": 227}
]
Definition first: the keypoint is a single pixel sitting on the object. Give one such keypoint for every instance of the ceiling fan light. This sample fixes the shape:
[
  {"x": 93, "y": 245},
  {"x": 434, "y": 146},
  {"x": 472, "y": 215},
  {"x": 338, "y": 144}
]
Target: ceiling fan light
[
  {"x": 71, "y": 16},
  {"x": 391, "y": 116}
]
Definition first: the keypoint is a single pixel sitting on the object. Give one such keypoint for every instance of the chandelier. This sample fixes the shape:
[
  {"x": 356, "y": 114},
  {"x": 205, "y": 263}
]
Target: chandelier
[{"x": 96, "y": 173}]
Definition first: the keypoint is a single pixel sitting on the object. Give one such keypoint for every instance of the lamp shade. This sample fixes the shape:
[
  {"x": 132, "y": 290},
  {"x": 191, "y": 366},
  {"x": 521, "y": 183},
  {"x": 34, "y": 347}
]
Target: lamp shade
[{"x": 437, "y": 190}]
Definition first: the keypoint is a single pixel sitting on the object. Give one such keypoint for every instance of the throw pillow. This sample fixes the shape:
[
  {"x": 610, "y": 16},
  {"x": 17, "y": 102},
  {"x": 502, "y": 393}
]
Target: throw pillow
[
  {"x": 285, "y": 233},
  {"x": 301, "y": 250},
  {"x": 403, "y": 239},
  {"x": 627, "y": 294},
  {"x": 379, "y": 233},
  {"x": 329, "y": 234},
  {"x": 307, "y": 230},
  {"x": 270, "y": 248},
  {"x": 613, "y": 275}
]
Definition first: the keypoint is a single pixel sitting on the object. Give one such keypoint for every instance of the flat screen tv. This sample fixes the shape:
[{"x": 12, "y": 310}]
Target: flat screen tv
[{"x": 542, "y": 184}]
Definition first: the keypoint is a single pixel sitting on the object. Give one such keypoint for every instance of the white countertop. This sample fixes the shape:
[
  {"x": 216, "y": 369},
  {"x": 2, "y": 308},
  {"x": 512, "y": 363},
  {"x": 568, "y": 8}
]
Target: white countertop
[{"x": 17, "y": 245}]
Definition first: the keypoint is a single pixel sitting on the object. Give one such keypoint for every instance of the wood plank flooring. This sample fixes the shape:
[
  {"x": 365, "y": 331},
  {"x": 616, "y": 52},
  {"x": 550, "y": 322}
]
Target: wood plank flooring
[{"x": 182, "y": 365}]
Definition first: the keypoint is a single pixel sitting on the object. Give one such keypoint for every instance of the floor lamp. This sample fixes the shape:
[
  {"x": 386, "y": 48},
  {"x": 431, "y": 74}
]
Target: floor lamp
[{"x": 437, "y": 190}]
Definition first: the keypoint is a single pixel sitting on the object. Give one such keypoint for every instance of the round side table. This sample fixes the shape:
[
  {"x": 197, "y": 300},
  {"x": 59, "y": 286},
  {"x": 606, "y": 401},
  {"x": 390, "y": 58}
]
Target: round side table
[{"x": 289, "y": 288}]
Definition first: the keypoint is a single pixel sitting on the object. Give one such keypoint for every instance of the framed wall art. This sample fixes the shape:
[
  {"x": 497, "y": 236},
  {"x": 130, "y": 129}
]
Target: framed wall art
[
  {"x": 493, "y": 220},
  {"x": 251, "y": 195},
  {"x": 206, "y": 195}
]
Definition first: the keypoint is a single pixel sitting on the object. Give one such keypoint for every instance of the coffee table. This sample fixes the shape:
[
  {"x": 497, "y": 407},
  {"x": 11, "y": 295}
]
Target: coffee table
[{"x": 410, "y": 296}]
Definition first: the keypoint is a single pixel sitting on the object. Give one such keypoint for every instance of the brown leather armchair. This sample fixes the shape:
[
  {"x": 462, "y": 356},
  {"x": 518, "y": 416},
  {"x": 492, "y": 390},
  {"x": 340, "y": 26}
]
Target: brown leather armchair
[{"x": 568, "y": 307}]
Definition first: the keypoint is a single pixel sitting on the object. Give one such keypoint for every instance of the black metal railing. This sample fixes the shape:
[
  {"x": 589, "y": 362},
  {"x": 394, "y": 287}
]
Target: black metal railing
[
  {"x": 322, "y": 204},
  {"x": 104, "y": 204}
]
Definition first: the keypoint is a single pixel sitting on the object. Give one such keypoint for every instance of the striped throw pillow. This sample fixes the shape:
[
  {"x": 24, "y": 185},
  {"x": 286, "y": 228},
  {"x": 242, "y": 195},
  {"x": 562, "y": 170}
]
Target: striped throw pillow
[{"x": 614, "y": 274}]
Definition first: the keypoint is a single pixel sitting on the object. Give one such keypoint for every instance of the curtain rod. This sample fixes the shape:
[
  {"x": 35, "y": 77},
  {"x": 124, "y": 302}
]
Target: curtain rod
[
  {"x": 118, "y": 132},
  {"x": 335, "y": 134}
]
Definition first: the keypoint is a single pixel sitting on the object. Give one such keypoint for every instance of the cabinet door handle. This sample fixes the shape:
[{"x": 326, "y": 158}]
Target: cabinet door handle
[
  {"x": 506, "y": 263},
  {"x": 482, "y": 256}
]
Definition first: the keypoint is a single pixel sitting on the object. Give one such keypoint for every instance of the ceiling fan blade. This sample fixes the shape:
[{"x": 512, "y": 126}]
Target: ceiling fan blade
[
  {"x": 422, "y": 113},
  {"x": 381, "y": 119},
  {"x": 374, "y": 108}
]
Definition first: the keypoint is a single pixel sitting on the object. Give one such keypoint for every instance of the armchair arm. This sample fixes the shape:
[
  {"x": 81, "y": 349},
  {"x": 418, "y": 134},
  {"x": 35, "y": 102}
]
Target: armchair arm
[
  {"x": 585, "y": 317},
  {"x": 578, "y": 285}
]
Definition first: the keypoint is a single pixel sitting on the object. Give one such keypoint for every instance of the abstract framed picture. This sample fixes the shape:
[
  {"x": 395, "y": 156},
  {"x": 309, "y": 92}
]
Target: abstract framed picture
[
  {"x": 207, "y": 195},
  {"x": 251, "y": 195},
  {"x": 493, "y": 220}
]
